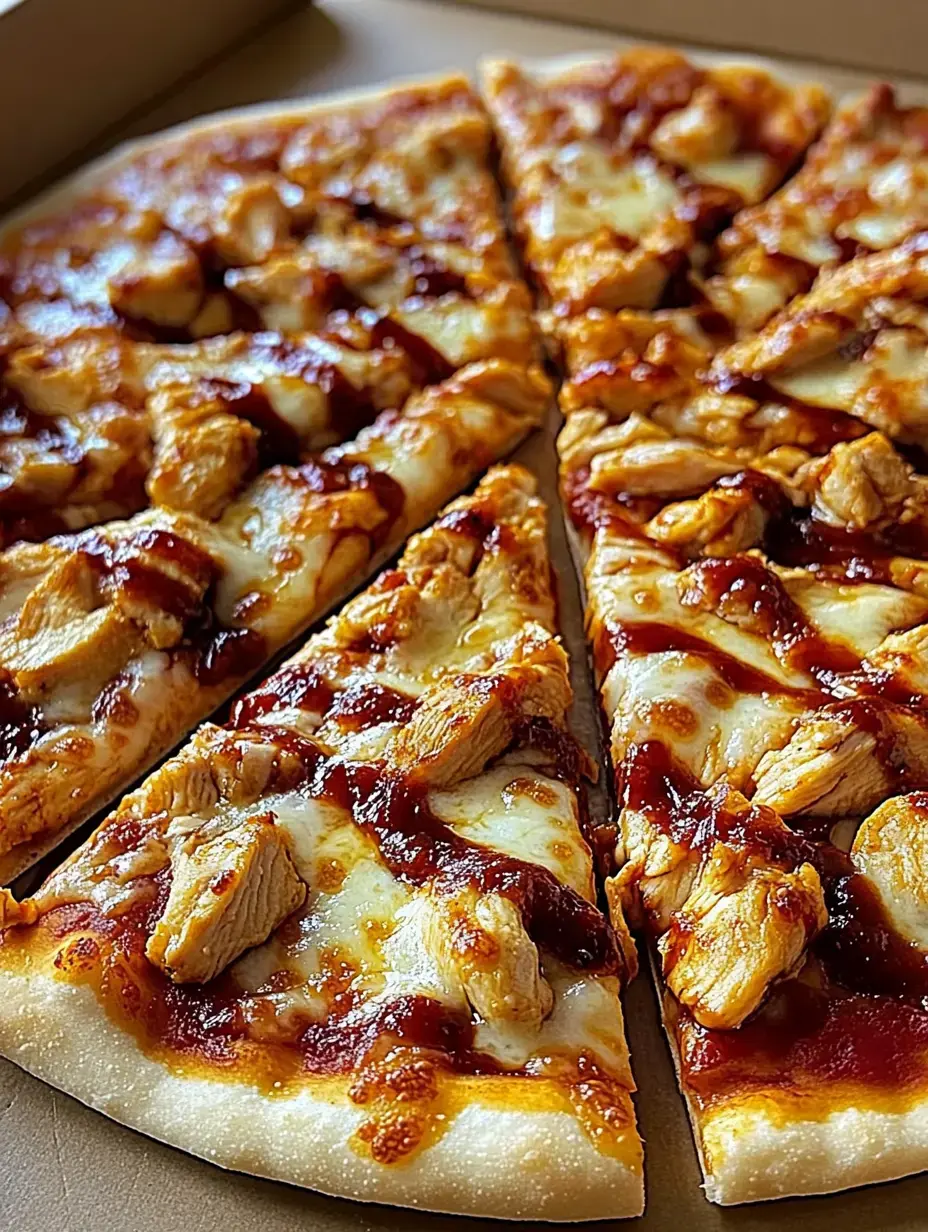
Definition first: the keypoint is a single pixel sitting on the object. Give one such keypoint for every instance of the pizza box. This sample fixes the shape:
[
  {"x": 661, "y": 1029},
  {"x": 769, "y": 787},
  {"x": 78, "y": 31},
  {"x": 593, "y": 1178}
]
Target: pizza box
[
  {"x": 70, "y": 68},
  {"x": 64, "y": 1168}
]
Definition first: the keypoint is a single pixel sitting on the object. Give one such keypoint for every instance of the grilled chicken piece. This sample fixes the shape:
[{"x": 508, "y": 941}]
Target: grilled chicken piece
[
  {"x": 891, "y": 848},
  {"x": 858, "y": 483},
  {"x": 740, "y": 930},
  {"x": 721, "y": 522},
  {"x": 472, "y": 949},
  {"x": 905, "y": 656},
  {"x": 203, "y": 453},
  {"x": 457, "y": 730},
  {"x": 161, "y": 282},
  {"x": 843, "y": 760},
  {"x": 254, "y": 221},
  {"x": 231, "y": 887},
  {"x": 731, "y": 918},
  {"x": 629, "y": 361},
  {"x": 65, "y": 631}
]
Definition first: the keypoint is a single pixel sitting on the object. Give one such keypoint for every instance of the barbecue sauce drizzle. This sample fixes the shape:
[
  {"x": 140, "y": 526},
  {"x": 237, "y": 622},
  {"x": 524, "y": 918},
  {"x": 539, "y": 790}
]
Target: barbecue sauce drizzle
[{"x": 858, "y": 1014}]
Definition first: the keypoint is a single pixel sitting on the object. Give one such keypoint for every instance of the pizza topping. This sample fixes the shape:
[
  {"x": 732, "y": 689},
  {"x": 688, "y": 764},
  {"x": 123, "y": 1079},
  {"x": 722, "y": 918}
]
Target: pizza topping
[
  {"x": 230, "y": 888},
  {"x": 458, "y": 728},
  {"x": 728, "y": 889},
  {"x": 862, "y": 187},
  {"x": 623, "y": 166}
]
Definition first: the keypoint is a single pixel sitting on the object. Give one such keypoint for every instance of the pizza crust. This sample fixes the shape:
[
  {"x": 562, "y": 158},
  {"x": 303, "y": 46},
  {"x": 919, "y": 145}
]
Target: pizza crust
[
  {"x": 750, "y": 1156},
  {"x": 511, "y": 1164}
]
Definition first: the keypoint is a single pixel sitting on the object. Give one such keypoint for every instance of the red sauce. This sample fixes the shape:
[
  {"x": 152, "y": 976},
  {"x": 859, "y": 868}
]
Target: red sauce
[
  {"x": 280, "y": 442},
  {"x": 367, "y": 704},
  {"x": 433, "y": 279},
  {"x": 131, "y": 566},
  {"x": 591, "y": 510},
  {"x": 225, "y": 654},
  {"x": 651, "y": 637},
  {"x": 429, "y": 365},
  {"x": 298, "y": 685},
  {"x": 330, "y": 473},
  {"x": 743, "y": 589}
]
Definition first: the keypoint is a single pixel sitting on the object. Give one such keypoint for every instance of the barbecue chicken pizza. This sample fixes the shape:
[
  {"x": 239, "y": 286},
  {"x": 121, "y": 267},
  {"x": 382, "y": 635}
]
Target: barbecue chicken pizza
[
  {"x": 743, "y": 466},
  {"x": 350, "y": 939},
  {"x": 238, "y": 365}
]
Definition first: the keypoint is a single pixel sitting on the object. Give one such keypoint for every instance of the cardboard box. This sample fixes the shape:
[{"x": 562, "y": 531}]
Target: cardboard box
[
  {"x": 64, "y": 1168},
  {"x": 70, "y": 68}
]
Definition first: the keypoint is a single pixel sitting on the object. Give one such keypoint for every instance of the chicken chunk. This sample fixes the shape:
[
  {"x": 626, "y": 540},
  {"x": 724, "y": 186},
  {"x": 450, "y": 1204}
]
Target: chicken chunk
[
  {"x": 739, "y": 931},
  {"x": 843, "y": 760},
  {"x": 472, "y": 949},
  {"x": 703, "y": 131},
  {"x": 859, "y": 483},
  {"x": 203, "y": 453},
  {"x": 732, "y": 910},
  {"x": 65, "y": 631},
  {"x": 903, "y": 655},
  {"x": 720, "y": 522},
  {"x": 458, "y": 729},
  {"x": 891, "y": 848},
  {"x": 254, "y": 221},
  {"x": 162, "y": 283},
  {"x": 231, "y": 887}
]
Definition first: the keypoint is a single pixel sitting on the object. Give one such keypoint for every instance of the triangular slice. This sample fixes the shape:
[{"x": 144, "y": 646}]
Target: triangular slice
[
  {"x": 862, "y": 188},
  {"x": 186, "y": 328},
  {"x": 621, "y": 167},
  {"x": 755, "y": 562},
  {"x": 350, "y": 940}
]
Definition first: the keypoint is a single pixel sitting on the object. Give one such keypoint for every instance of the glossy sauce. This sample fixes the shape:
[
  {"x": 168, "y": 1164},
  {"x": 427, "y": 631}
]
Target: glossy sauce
[{"x": 858, "y": 1015}]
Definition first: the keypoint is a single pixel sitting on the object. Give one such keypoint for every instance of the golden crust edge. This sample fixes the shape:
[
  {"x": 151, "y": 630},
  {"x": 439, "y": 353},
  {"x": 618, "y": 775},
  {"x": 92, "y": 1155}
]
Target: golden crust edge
[{"x": 508, "y": 1164}]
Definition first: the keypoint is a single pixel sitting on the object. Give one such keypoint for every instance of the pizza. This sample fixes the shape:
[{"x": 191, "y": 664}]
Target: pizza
[
  {"x": 863, "y": 188},
  {"x": 743, "y": 470},
  {"x": 350, "y": 938},
  {"x": 622, "y": 169},
  {"x": 238, "y": 365},
  {"x": 361, "y": 932}
]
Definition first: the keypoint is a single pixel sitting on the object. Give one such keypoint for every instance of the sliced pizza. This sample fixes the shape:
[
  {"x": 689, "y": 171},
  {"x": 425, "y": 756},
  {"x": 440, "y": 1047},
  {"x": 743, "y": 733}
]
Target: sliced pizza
[
  {"x": 350, "y": 940},
  {"x": 280, "y": 341},
  {"x": 862, "y": 188},
  {"x": 623, "y": 167},
  {"x": 370, "y": 224},
  {"x": 752, "y": 524}
]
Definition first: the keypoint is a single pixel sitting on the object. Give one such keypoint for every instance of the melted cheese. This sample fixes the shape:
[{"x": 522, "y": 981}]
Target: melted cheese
[
  {"x": 514, "y": 809},
  {"x": 592, "y": 191}
]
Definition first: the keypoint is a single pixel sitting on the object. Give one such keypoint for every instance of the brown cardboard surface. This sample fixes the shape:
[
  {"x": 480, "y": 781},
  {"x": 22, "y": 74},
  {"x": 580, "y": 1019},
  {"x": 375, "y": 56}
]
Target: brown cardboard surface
[
  {"x": 64, "y": 1168},
  {"x": 890, "y": 35},
  {"x": 53, "y": 100}
]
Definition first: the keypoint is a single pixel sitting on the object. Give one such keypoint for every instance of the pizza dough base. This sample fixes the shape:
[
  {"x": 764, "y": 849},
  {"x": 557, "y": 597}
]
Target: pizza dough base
[{"x": 512, "y": 1164}]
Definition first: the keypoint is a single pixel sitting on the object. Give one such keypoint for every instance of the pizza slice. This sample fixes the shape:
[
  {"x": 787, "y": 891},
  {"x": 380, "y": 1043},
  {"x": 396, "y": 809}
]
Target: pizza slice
[
  {"x": 350, "y": 939},
  {"x": 622, "y": 168},
  {"x": 753, "y": 539},
  {"x": 283, "y": 436},
  {"x": 863, "y": 187},
  {"x": 319, "y": 262}
]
